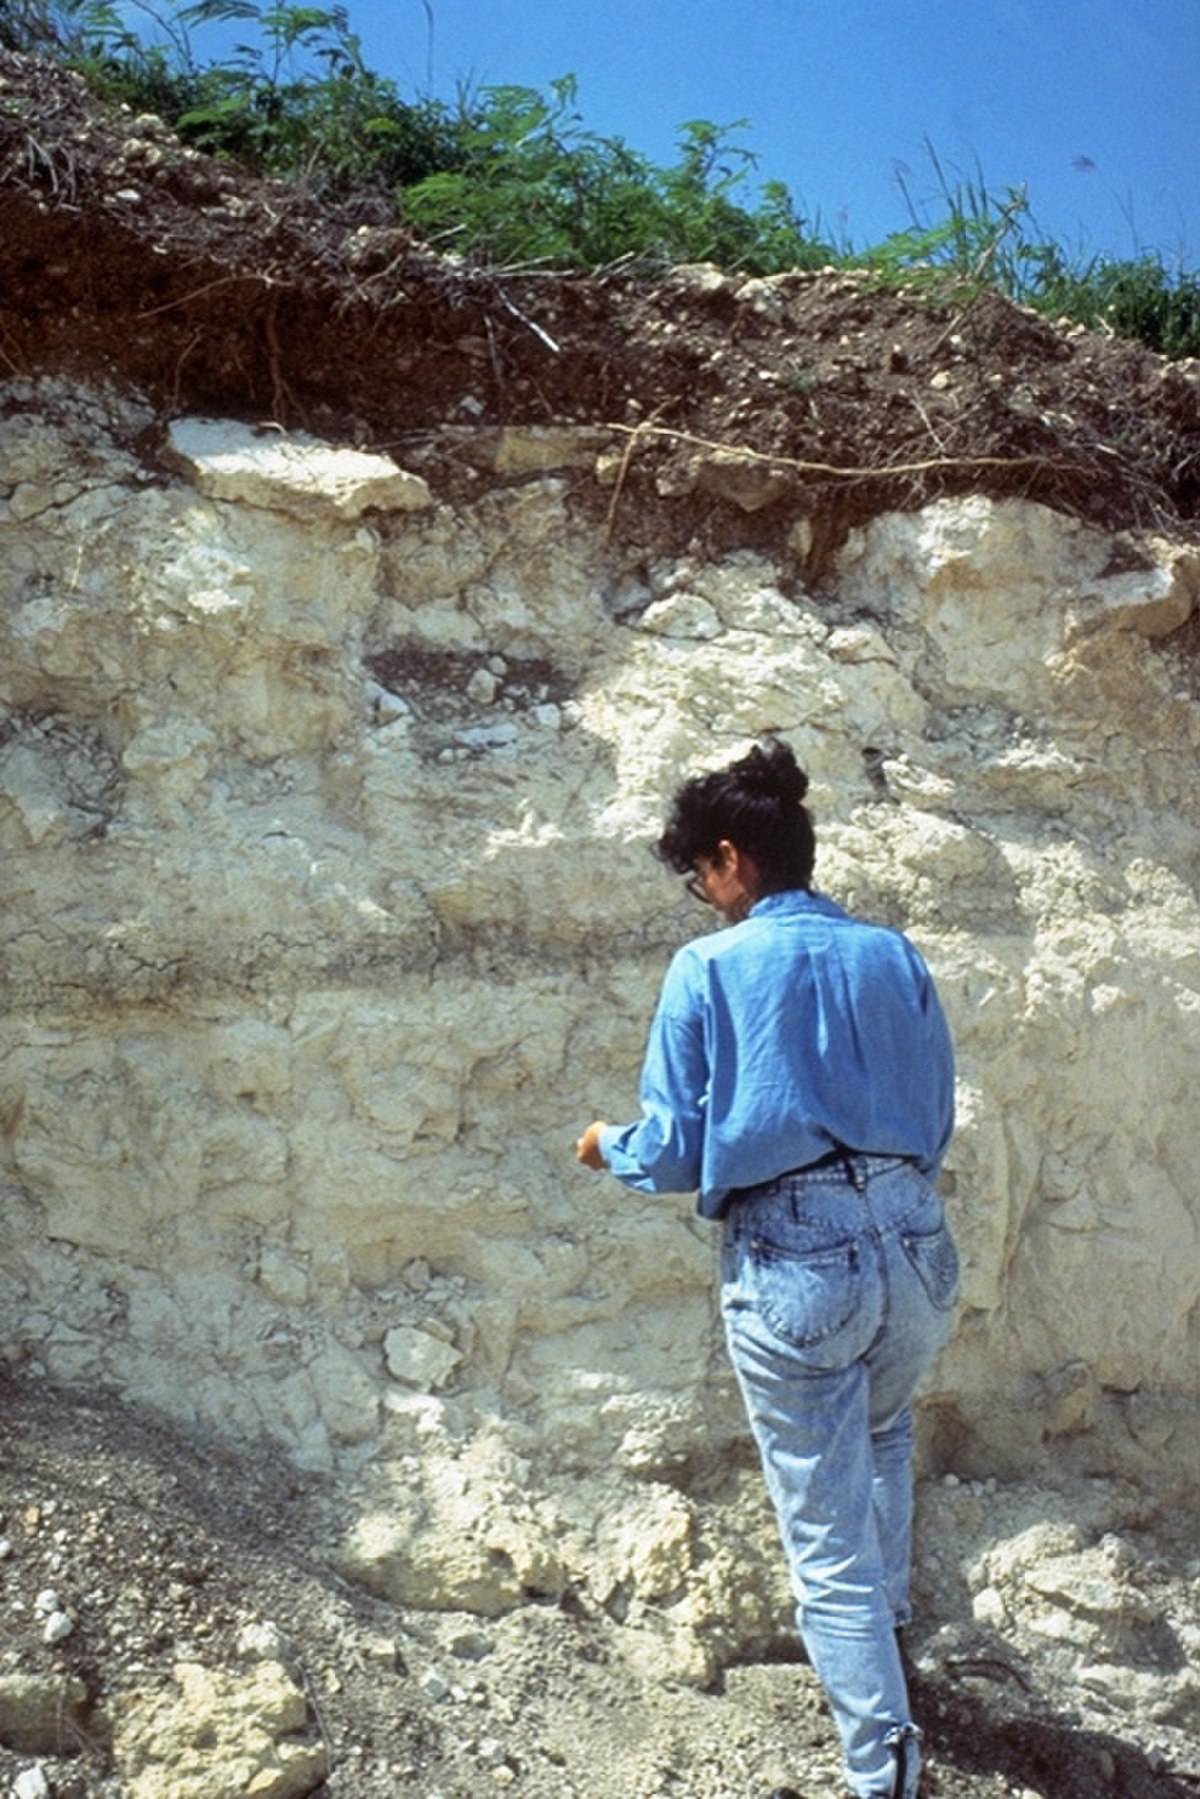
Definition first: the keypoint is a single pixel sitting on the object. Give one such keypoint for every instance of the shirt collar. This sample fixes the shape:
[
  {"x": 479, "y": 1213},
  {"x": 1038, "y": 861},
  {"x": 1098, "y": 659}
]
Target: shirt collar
[{"x": 793, "y": 901}]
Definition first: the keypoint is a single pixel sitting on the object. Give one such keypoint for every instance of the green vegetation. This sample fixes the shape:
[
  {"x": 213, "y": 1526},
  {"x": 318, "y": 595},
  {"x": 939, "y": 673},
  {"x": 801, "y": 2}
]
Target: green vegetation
[
  {"x": 296, "y": 101},
  {"x": 979, "y": 241},
  {"x": 532, "y": 186},
  {"x": 510, "y": 177}
]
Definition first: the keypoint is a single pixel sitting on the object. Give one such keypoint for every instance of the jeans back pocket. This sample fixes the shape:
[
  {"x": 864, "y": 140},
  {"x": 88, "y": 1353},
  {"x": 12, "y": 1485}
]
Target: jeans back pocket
[
  {"x": 935, "y": 1258},
  {"x": 809, "y": 1298}
]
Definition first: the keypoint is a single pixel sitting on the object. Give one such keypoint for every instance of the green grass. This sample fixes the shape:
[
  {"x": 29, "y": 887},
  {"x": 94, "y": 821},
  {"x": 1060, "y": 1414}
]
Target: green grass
[{"x": 511, "y": 177}]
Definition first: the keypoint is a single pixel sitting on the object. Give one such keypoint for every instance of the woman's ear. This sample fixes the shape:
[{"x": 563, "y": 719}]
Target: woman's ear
[{"x": 738, "y": 878}]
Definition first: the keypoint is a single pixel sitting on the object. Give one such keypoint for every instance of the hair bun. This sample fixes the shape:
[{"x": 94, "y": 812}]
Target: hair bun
[{"x": 772, "y": 769}]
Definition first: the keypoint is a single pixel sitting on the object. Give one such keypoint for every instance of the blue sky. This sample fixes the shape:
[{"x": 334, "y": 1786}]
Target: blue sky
[{"x": 1093, "y": 104}]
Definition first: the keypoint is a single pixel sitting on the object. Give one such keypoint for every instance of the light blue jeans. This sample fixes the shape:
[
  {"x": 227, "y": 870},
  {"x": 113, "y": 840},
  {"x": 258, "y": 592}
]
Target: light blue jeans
[{"x": 837, "y": 1289}]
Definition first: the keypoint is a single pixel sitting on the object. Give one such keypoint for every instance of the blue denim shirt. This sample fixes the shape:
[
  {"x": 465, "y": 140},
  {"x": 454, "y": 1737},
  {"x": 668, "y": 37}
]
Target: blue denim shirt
[{"x": 796, "y": 1031}]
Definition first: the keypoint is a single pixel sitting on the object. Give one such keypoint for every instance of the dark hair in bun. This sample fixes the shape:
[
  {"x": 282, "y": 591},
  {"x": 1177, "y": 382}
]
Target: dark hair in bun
[{"x": 756, "y": 803}]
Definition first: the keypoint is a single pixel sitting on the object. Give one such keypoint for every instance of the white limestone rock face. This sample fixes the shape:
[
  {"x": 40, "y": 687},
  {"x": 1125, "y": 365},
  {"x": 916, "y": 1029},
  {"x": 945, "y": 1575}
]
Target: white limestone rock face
[
  {"x": 330, "y": 920},
  {"x": 1068, "y": 1590}
]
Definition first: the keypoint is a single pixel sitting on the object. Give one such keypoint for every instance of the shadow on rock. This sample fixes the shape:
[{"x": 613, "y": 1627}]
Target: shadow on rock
[{"x": 973, "y": 1734}]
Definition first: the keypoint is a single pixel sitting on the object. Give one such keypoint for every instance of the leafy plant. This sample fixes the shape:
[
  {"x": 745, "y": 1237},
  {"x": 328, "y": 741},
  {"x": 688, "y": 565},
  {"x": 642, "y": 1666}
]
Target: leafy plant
[
  {"x": 512, "y": 176},
  {"x": 97, "y": 39},
  {"x": 298, "y": 101},
  {"x": 59, "y": 28},
  {"x": 294, "y": 99},
  {"x": 534, "y": 186}
]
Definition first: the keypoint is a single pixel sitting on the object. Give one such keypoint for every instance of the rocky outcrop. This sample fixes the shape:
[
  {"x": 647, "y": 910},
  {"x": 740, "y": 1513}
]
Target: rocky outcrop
[{"x": 329, "y": 919}]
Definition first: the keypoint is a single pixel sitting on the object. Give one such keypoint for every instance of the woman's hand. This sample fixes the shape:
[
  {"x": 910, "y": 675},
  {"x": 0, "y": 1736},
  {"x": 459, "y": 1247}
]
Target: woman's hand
[{"x": 587, "y": 1150}]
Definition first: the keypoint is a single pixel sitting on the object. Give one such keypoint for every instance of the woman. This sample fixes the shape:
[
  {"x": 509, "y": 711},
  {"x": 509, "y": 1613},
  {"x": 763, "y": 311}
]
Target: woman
[{"x": 799, "y": 1074}]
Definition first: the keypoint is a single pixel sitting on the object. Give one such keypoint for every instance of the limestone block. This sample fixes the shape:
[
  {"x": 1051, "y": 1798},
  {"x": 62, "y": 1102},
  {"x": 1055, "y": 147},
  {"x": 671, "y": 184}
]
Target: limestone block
[
  {"x": 615, "y": 1373},
  {"x": 174, "y": 756},
  {"x": 90, "y": 1120},
  {"x": 41, "y": 1714},
  {"x": 290, "y": 472},
  {"x": 1066, "y": 1572},
  {"x": 648, "y": 1546},
  {"x": 981, "y": 585},
  {"x": 681, "y": 615},
  {"x": 286, "y": 1277},
  {"x": 419, "y": 1359},
  {"x": 515, "y": 578},
  {"x": 1089, "y": 1583},
  {"x": 219, "y": 1736},
  {"x": 347, "y": 1397},
  {"x": 700, "y": 278},
  {"x": 1152, "y": 601},
  {"x": 533, "y": 449},
  {"x": 764, "y": 295},
  {"x": 58, "y": 783},
  {"x": 458, "y": 1534},
  {"x": 743, "y": 480},
  {"x": 60, "y": 439}
]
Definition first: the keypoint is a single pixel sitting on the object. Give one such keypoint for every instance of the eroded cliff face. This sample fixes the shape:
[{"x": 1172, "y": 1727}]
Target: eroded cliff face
[{"x": 324, "y": 809}]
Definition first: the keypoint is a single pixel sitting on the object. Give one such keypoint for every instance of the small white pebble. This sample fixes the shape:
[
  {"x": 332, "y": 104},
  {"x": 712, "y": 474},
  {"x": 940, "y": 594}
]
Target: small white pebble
[
  {"x": 58, "y": 1628},
  {"x": 987, "y": 1607},
  {"x": 263, "y": 1641}
]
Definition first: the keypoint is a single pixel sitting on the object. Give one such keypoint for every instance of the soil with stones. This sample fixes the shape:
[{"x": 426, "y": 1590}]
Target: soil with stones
[
  {"x": 126, "y": 259},
  {"x": 164, "y": 1549},
  {"x": 125, "y": 256}
]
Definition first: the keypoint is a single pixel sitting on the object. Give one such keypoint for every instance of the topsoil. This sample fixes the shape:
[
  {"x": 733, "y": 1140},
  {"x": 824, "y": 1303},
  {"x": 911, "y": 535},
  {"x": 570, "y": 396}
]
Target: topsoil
[{"x": 126, "y": 257}]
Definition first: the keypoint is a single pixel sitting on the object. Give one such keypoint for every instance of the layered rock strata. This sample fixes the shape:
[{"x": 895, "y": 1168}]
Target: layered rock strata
[{"x": 329, "y": 919}]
